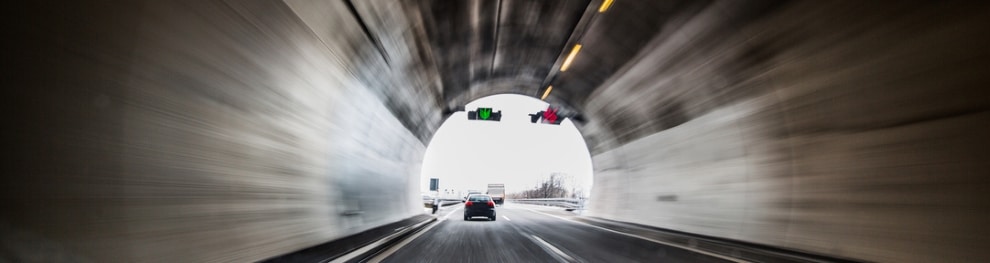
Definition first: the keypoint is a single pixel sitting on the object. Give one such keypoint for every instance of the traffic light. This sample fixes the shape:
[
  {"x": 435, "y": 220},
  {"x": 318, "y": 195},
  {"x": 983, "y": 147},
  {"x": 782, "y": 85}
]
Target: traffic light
[
  {"x": 548, "y": 116},
  {"x": 535, "y": 117},
  {"x": 485, "y": 114}
]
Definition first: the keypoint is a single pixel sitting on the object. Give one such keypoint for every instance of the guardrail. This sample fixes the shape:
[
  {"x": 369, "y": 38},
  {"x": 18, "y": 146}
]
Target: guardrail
[
  {"x": 447, "y": 202},
  {"x": 569, "y": 203},
  {"x": 444, "y": 202}
]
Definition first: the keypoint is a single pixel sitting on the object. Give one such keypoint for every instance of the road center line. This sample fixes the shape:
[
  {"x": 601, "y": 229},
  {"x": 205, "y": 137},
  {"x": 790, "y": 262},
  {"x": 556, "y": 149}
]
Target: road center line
[
  {"x": 552, "y": 248},
  {"x": 645, "y": 238},
  {"x": 506, "y": 218}
]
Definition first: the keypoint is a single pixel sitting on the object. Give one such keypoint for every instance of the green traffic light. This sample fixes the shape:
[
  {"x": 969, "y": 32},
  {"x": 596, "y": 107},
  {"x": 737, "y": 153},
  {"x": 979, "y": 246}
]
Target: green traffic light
[{"x": 484, "y": 113}]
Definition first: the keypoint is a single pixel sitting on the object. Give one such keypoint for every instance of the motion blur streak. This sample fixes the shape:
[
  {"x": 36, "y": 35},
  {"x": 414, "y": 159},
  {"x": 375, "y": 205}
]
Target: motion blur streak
[{"x": 193, "y": 131}]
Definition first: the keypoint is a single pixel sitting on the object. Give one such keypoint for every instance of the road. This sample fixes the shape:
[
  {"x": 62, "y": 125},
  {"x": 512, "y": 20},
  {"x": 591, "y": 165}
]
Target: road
[{"x": 524, "y": 233}]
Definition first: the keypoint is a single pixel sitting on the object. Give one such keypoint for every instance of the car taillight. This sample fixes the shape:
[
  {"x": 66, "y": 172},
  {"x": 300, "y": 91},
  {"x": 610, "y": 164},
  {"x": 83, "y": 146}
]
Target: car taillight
[
  {"x": 491, "y": 204},
  {"x": 468, "y": 203}
]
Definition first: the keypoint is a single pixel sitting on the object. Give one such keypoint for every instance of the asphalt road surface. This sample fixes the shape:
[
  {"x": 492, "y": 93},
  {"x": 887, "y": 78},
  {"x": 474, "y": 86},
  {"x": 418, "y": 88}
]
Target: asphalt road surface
[{"x": 525, "y": 233}]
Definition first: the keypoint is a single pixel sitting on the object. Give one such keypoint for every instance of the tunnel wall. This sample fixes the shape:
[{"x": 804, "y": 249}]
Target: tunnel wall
[
  {"x": 855, "y": 130},
  {"x": 196, "y": 131},
  {"x": 386, "y": 49}
]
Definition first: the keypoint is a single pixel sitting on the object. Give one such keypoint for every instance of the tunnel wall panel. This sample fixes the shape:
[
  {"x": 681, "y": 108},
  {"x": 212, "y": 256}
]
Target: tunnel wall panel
[
  {"x": 854, "y": 130},
  {"x": 192, "y": 132},
  {"x": 392, "y": 58},
  {"x": 882, "y": 195}
]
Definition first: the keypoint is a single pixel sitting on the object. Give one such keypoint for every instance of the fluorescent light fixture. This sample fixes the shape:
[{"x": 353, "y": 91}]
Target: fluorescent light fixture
[
  {"x": 547, "y": 93},
  {"x": 570, "y": 57},
  {"x": 605, "y": 5}
]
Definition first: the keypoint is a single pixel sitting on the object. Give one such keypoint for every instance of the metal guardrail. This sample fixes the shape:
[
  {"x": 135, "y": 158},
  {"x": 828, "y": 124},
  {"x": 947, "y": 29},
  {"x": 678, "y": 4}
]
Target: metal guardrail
[
  {"x": 569, "y": 203},
  {"x": 445, "y": 202}
]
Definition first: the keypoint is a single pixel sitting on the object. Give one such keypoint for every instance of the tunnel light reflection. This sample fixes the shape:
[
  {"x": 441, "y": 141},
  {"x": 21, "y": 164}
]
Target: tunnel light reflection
[
  {"x": 605, "y": 5},
  {"x": 547, "y": 93},
  {"x": 570, "y": 57}
]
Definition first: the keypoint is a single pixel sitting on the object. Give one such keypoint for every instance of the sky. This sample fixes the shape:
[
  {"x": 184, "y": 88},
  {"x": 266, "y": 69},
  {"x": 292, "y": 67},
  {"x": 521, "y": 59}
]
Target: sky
[{"x": 470, "y": 154}]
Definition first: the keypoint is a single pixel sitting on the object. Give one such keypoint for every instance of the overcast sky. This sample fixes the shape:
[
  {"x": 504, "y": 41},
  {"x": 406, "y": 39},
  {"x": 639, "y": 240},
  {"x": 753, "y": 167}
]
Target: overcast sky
[{"x": 469, "y": 154}]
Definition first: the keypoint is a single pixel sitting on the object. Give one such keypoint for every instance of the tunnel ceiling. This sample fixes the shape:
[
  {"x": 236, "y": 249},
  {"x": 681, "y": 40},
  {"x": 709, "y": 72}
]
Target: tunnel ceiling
[
  {"x": 481, "y": 44},
  {"x": 478, "y": 48},
  {"x": 427, "y": 59},
  {"x": 486, "y": 47}
]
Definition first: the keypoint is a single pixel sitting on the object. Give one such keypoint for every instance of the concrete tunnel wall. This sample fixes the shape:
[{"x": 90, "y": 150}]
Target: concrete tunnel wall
[
  {"x": 234, "y": 131},
  {"x": 199, "y": 131},
  {"x": 850, "y": 129}
]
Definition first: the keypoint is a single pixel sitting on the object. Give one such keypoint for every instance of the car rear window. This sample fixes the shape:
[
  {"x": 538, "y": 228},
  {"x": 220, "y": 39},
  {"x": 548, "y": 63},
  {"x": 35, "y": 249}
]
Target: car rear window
[{"x": 480, "y": 198}]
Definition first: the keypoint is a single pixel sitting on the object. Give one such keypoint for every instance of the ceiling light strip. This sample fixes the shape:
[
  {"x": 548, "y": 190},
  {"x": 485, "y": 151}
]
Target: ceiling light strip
[
  {"x": 605, "y": 5},
  {"x": 570, "y": 57}
]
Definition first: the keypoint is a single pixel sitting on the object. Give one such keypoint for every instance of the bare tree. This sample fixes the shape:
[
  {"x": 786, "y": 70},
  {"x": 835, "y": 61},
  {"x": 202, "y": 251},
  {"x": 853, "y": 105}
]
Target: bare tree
[{"x": 552, "y": 187}]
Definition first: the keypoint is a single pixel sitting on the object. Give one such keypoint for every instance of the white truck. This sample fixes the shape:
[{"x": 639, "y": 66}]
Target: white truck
[{"x": 497, "y": 192}]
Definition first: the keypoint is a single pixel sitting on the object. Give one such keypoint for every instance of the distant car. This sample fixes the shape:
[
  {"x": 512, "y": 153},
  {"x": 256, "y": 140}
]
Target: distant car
[
  {"x": 469, "y": 195},
  {"x": 479, "y": 205}
]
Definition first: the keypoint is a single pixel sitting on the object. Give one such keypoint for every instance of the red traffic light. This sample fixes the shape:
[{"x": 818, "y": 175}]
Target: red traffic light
[{"x": 548, "y": 116}]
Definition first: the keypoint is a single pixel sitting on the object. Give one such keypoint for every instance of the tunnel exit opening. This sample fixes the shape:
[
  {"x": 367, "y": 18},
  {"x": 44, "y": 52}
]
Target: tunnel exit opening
[{"x": 532, "y": 160}]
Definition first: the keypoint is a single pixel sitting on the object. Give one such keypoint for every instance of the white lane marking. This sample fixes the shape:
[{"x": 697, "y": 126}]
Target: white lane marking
[
  {"x": 506, "y": 218},
  {"x": 451, "y": 213},
  {"x": 388, "y": 252},
  {"x": 645, "y": 238},
  {"x": 553, "y": 248},
  {"x": 391, "y": 250},
  {"x": 365, "y": 249}
]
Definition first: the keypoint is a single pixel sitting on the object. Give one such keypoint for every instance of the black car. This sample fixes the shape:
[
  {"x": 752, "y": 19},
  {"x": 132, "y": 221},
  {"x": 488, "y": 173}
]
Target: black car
[{"x": 479, "y": 205}]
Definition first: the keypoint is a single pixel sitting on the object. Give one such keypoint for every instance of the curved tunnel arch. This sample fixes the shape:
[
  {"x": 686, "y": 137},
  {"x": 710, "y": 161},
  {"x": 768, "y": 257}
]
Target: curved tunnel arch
[
  {"x": 513, "y": 151},
  {"x": 233, "y": 131}
]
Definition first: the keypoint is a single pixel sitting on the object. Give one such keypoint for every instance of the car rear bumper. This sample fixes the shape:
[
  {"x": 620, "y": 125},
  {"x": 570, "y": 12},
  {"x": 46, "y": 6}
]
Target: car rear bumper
[{"x": 487, "y": 212}]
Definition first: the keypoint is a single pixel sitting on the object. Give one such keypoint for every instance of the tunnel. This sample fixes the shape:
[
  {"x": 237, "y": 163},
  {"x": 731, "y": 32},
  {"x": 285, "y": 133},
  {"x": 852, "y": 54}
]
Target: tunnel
[
  {"x": 465, "y": 154},
  {"x": 241, "y": 131}
]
